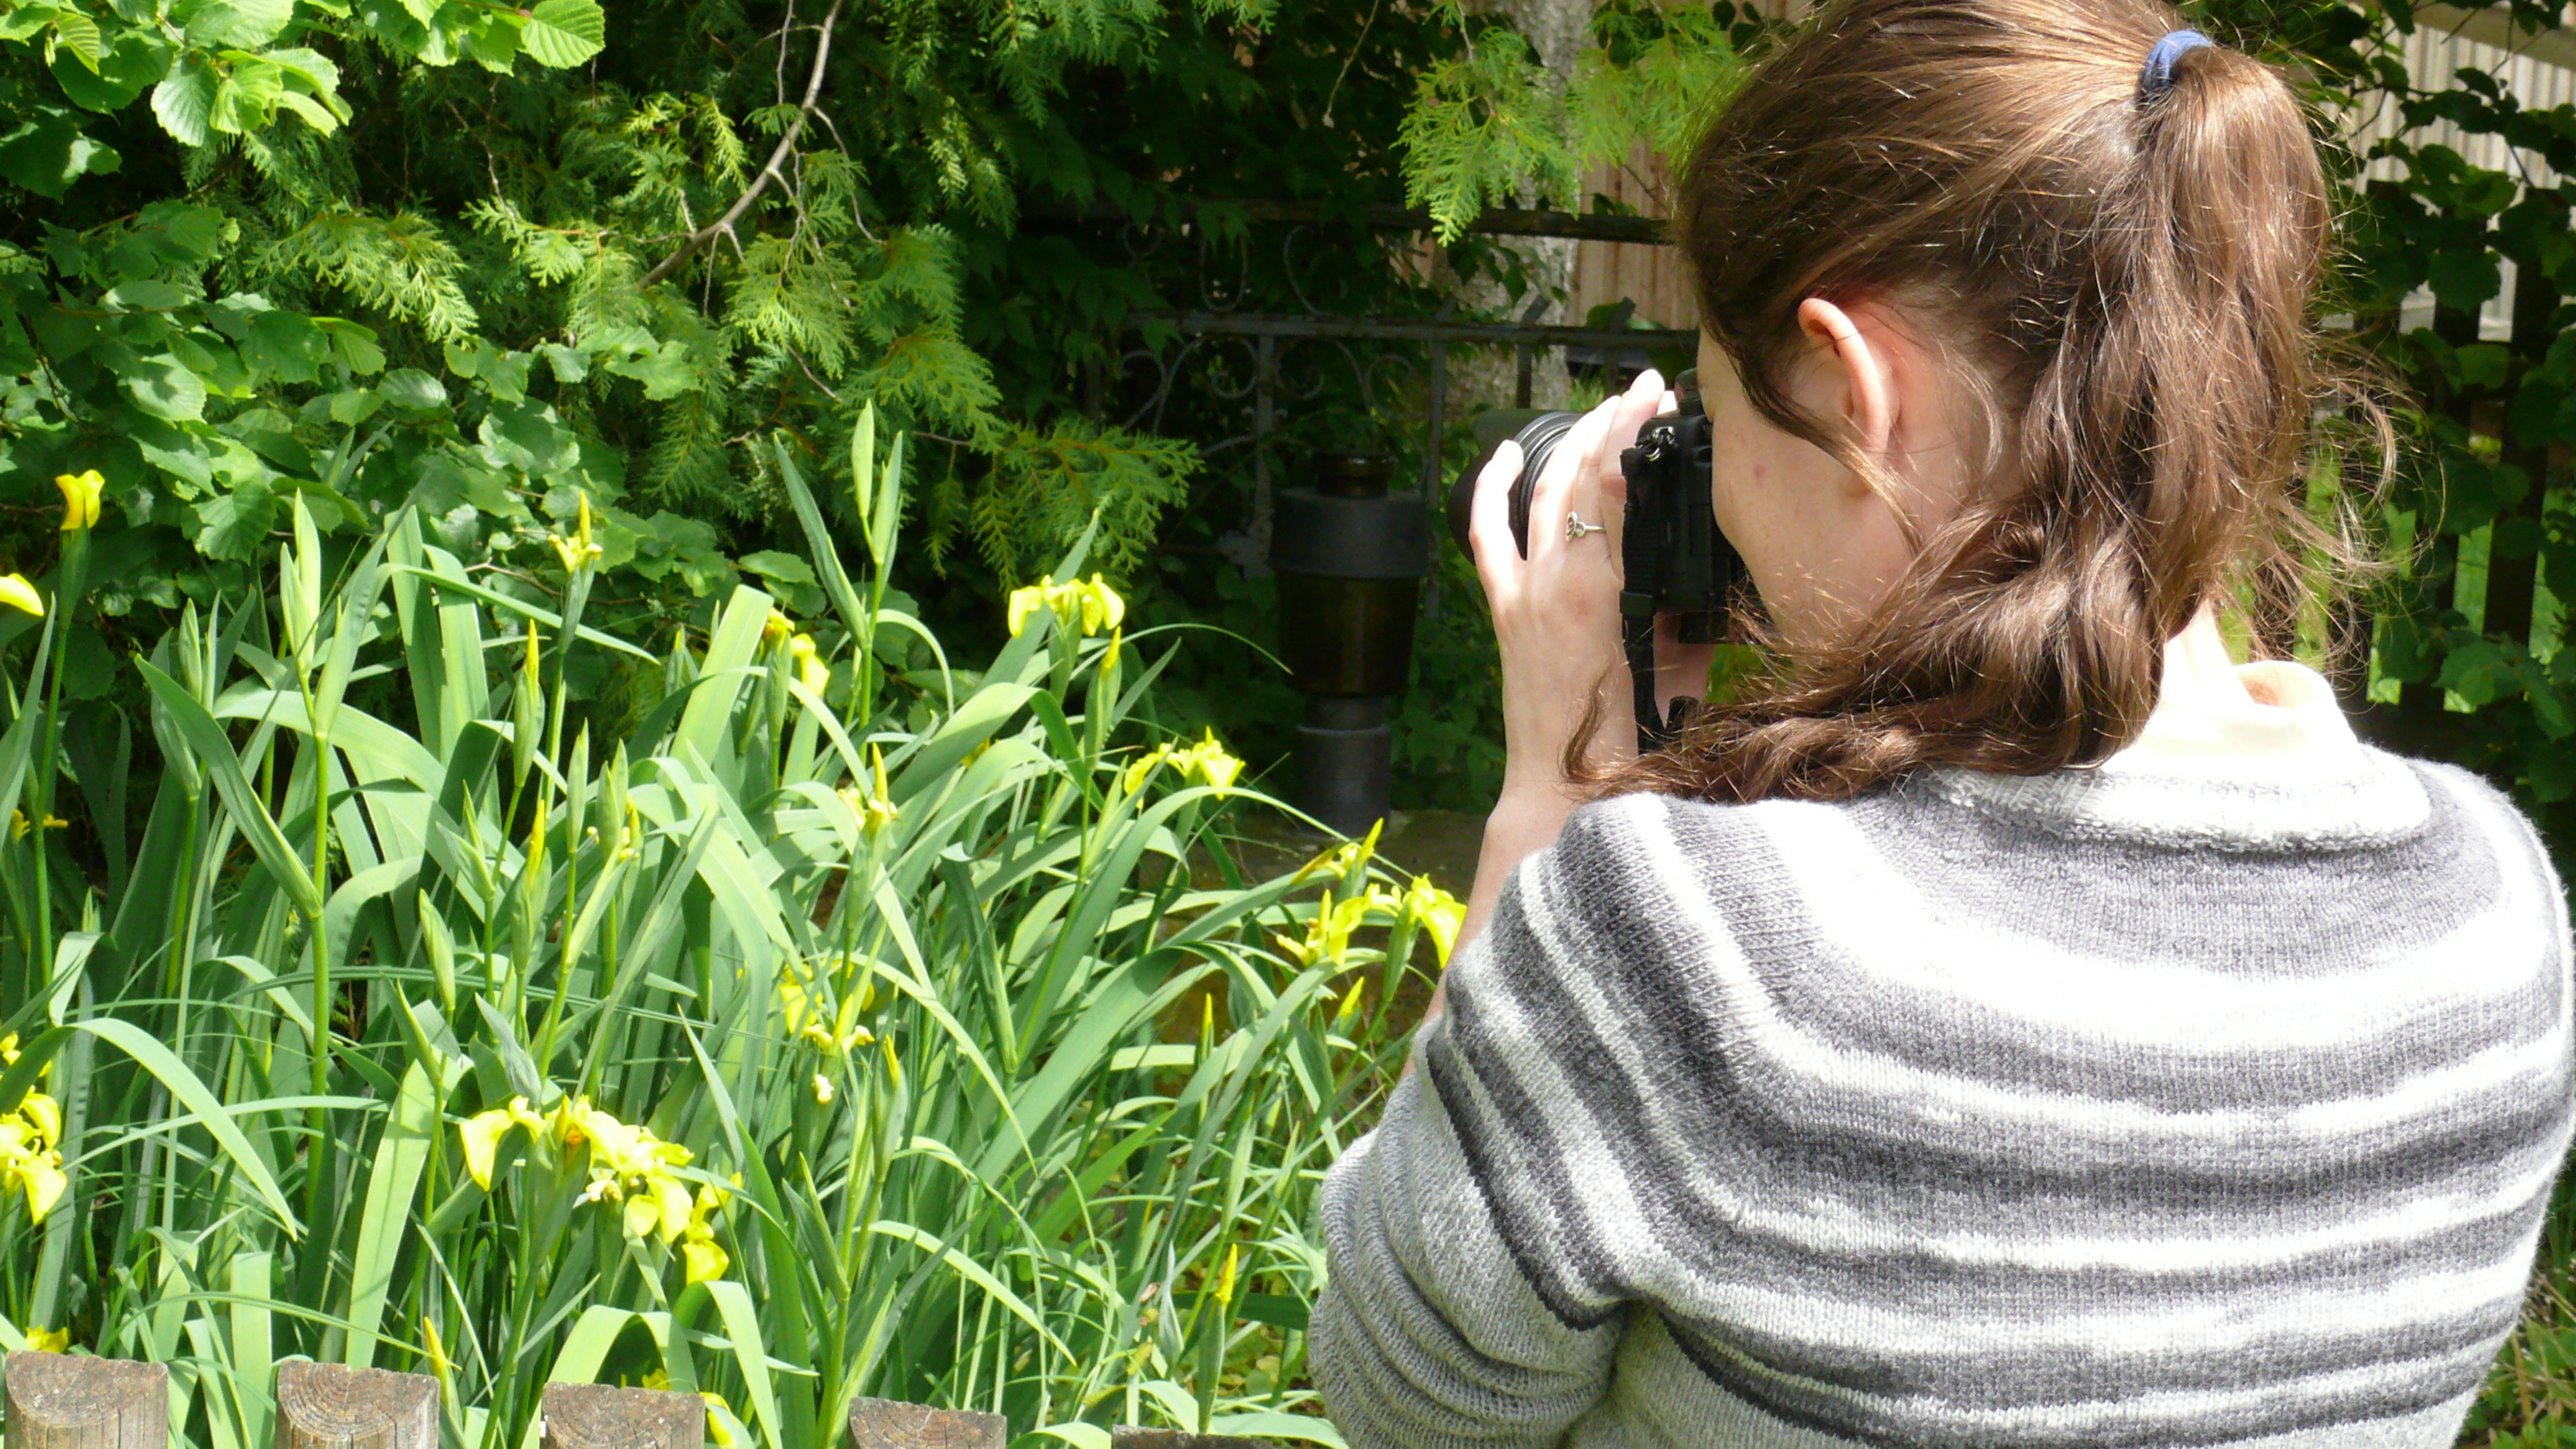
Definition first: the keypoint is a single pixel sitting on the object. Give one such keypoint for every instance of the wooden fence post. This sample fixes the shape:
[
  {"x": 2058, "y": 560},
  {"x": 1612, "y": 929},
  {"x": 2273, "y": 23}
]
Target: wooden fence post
[
  {"x": 885, "y": 1424},
  {"x": 595, "y": 1416},
  {"x": 324, "y": 1406},
  {"x": 60, "y": 1402},
  {"x": 1129, "y": 1436}
]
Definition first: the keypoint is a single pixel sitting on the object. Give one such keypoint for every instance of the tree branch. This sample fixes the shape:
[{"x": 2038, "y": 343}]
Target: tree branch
[{"x": 723, "y": 225}]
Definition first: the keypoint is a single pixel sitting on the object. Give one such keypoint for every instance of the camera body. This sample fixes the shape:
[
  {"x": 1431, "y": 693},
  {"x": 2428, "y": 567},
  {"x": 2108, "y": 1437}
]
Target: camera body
[{"x": 1675, "y": 561}]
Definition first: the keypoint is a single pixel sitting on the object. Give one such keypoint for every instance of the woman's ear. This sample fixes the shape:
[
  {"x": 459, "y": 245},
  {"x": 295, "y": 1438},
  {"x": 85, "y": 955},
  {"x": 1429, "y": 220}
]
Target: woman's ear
[{"x": 1859, "y": 371}]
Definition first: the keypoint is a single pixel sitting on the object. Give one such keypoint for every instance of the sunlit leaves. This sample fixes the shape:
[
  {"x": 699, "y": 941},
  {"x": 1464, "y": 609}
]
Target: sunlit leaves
[
  {"x": 1484, "y": 127},
  {"x": 563, "y": 33}
]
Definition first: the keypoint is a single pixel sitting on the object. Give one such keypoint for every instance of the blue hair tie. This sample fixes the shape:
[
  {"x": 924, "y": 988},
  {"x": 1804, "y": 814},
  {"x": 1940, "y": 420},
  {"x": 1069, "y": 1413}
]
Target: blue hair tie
[{"x": 2160, "y": 61}]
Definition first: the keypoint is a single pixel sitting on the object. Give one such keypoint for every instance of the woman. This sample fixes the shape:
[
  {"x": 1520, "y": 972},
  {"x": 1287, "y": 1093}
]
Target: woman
[{"x": 2013, "y": 1025}]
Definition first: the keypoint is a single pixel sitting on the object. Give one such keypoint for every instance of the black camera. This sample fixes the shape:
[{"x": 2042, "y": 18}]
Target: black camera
[{"x": 1674, "y": 559}]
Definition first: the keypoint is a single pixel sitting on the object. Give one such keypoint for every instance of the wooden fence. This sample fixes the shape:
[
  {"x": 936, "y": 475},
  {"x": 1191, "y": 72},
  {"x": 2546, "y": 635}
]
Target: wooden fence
[{"x": 60, "y": 1402}]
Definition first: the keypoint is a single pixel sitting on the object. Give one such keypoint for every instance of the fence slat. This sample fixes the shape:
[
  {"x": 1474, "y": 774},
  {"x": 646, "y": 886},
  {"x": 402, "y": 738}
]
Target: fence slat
[
  {"x": 885, "y": 1424},
  {"x": 1129, "y": 1436},
  {"x": 596, "y": 1416},
  {"x": 60, "y": 1402},
  {"x": 324, "y": 1406}
]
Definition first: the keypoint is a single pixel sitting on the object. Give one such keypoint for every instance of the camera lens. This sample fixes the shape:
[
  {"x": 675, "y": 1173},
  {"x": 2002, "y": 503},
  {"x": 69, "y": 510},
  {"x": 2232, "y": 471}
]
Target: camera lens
[{"x": 1538, "y": 434}]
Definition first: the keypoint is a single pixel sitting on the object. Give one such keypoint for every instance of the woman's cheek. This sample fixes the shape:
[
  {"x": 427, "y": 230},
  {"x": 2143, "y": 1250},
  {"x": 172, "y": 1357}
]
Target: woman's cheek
[{"x": 1736, "y": 496}]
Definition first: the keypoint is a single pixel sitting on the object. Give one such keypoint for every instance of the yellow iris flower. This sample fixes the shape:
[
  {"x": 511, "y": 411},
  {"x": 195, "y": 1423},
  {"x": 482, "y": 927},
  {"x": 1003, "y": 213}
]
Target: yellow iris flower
[
  {"x": 701, "y": 1256},
  {"x": 876, "y": 809},
  {"x": 1089, "y": 603},
  {"x": 481, "y": 1136},
  {"x": 811, "y": 671},
  {"x": 1437, "y": 912},
  {"x": 836, "y": 1038},
  {"x": 1206, "y": 761},
  {"x": 31, "y": 1163},
  {"x": 1344, "y": 858},
  {"x": 21, "y": 595},
  {"x": 19, "y": 824},
  {"x": 577, "y": 550},
  {"x": 49, "y": 1340},
  {"x": 80, "y": 499},
  {"x": 628, "y": 1164},
  {"x": 1328, "y": 935}
]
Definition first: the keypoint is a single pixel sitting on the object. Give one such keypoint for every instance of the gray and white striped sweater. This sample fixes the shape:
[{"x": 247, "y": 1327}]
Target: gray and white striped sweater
[{"x": 2111, "y": 1108}]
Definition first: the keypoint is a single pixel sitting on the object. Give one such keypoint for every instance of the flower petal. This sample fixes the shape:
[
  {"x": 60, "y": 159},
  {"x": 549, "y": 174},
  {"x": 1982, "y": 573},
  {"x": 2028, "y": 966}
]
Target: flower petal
[
  {"x": 481, "y": 1136},
  {"x": 17, "y": 593},
  {"x": 704, "y": 1261},
  {"x": 45, "y": 1182}
]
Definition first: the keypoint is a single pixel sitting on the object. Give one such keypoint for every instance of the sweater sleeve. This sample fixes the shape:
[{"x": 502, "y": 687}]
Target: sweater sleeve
[
  {"x": 1427, "y": 1336},
  {"x": 1429, "y": 1333}
]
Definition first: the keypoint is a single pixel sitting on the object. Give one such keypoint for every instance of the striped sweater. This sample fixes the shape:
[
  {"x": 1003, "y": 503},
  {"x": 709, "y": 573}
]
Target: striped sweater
[{"x": 2164, "y": 1103}]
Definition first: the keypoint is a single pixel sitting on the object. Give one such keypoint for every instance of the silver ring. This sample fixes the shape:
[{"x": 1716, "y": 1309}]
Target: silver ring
[{"x": 1576, "y": 528}]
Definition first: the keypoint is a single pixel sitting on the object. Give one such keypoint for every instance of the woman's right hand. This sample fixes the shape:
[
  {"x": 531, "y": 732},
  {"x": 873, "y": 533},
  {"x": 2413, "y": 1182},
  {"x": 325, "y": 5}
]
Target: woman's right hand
[{"x": 1556, "y": 612}]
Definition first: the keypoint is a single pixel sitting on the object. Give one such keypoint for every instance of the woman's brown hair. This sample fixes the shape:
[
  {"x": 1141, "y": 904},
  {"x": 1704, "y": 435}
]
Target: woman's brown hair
[{"x": 2119, "y": 277}]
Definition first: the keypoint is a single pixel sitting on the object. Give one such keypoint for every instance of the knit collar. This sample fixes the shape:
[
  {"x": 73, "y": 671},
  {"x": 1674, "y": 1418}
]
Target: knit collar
[
  {"x": 2222, "y": 774},
  {"x": 2286, "y": 723}
]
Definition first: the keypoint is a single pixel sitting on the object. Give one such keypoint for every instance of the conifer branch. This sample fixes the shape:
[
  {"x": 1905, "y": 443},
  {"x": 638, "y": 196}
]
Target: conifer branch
[{"x": 723, "y": 225}]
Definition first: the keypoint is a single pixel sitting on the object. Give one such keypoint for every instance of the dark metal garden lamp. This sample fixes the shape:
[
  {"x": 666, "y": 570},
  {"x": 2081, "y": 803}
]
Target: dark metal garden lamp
[{"x": 1350, "y": 561}]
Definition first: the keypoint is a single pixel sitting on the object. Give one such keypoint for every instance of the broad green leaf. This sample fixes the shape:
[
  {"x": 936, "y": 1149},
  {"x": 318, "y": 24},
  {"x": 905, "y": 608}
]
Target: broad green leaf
[
  {"x": 235, "y": 525},
  {"x": 236, "y": 24},
  {"x": 75, "y": 34},
  {"x": 413, "y": 391},
  {"x": 253, "y": 1345},
  {"x": 146, "y": 294},
  {"x": 185, "y": 101},
  {"x": 130, "y": 62},
  {"x": 49, "y": 152},
  {"x": 561, "y": 33},
  {"x": 166, "y": 388}
]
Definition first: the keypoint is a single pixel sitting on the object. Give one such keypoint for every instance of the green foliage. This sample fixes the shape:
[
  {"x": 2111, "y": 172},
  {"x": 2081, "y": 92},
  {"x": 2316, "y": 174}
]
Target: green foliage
[
  {"x": 1485, "y": 128},
  {"x": 986, "y": 1078},
  {"x": 272, "y": 250},
  {"x": 1492, "y": 127}
]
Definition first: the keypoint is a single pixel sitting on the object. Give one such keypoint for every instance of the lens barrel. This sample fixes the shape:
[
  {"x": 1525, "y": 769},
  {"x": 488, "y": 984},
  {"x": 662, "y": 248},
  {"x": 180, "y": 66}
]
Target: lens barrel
[
  {"x": 1675, "y": 560},
  {"x": 1538, "y": 434}
]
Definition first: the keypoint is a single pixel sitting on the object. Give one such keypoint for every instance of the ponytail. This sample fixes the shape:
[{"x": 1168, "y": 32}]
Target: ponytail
[{"x": 2121, "y": 276}]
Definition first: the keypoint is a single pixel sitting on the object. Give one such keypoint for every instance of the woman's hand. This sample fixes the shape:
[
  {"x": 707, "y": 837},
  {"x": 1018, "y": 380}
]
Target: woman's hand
[{"x": 1556, "y": 613}]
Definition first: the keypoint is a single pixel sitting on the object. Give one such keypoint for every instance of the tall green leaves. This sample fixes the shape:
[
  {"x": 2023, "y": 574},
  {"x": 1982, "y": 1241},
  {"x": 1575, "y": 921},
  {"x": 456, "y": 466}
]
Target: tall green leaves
[{"x": 837, "y": 1029}]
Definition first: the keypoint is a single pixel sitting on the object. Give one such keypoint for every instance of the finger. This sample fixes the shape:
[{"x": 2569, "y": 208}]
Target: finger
[
  {"x": 1489, "y": 521},
  {"x": 1611, "y": 485},
  {"x": 1553, "y": 498}
]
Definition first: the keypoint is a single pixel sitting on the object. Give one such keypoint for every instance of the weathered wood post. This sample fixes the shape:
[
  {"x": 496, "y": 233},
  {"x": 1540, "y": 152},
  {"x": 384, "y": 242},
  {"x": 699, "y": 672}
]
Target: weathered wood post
[
  {"x": 1129, "y": 1436},
  {"x": 324, "y": 1406},
  {"x": 595, "y": 1416},
  {"x": 885, "y": 1424},
  {"x": 60, "y": 1402}
]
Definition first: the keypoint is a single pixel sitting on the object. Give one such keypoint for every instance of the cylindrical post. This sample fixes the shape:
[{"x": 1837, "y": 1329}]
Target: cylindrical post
[
  {"x": 885, "y": 1424},
  {"x": 595, "y": 1416},
  {"x": 325, "y": 1406},
  {"x": 60, "y": 1402}
]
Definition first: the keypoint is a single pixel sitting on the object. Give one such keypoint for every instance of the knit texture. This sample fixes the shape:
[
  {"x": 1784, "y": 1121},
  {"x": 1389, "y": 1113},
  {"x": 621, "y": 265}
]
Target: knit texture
[{"x": 2109, "y": 1108}]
